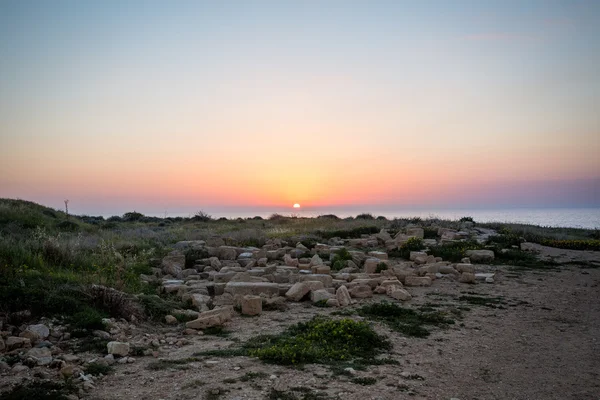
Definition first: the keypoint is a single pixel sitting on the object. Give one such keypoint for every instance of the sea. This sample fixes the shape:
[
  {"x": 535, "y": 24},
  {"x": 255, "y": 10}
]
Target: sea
[{"x": 588, "y": 218}]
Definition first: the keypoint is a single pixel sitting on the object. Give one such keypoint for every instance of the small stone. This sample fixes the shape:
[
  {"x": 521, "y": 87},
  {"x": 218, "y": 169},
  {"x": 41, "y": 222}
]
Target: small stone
[
  {"x": 251, "y": 305},
  {"x": 118, "y": 348},
  {"x": 171, "y": 320}
]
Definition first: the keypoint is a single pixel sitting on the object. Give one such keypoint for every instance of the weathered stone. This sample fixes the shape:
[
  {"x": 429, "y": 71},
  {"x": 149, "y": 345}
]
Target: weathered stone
[
  {"x": 414, "y": 254},
  {"x": 483, "y": 276},
  {"x": 327, "y": 280},
  {"x": 227, "y": 253},
  {"x": 42, "y": 330},
  {"x": 251, "y": 305},
  {"x": 379, "y": 255},
  {"x": 398, "y": 293},
  {"x": 371, "y": 265},
  {"x": 332, "y": 303},
  {"x": 416, "y": 232},
  {"x": 320, "y": 295},
  {"x": 417, "y": 281},
  {"x": 321, "y": 269},
  {"x": 253, "y": 288},
  {"x": 480, "y": 255},
  {"x": 447, "y": 269},
  {"x": 361, "y": 291},
  {"x": 14, "y": 342},
  {"x": 215, "y": 317},
  {"x": 171, "y": 320},
  {"x": 343, "y": 296},
  {"x": 465, "y": 268},
  {"x": 391, "y": 282},
  {"x": 316, "y": 260},
  {"x": 467, "y": 277},
  {"x": 289, "y": 261},
  {"x": 118, "y": 348},
  {"x": 173, "y": 264}
]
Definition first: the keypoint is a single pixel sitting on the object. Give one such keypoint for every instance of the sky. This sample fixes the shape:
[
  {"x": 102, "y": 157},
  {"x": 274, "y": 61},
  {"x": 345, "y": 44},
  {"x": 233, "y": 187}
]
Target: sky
[{"x": 187, "y": 105}]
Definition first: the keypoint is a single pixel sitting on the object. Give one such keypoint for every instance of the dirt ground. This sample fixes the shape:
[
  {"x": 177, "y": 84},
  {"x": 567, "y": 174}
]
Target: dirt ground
[{"x": 542, "y": 341}]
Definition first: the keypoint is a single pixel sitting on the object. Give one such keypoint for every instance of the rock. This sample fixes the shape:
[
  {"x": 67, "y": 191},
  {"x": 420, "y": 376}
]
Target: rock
[
  {"x": 480, "y": 255},
  {"x": 252, "y": 288},
  {"x": 446, "y": 269},
  {"x": 414, "y": 254},
  {"x": 67, "y": 371},
  {"x": 416, "y": 232},
  {"x": 379, "y": 255},
  {"x": 343, "y": 296},
  {"x": 482, "y": 276},
  {"x": 371, "y": 265},
  {"x": 14, "y": 342},
  {"x": 321, "y": 269},
  {"x": 251, "y": 305},
  {"x": 101, "y": 334},
  {"x": 297, "y": 291},
  {"x": 289, "y": 261},
  {"x": 320, "y": 295},
  {"x": 19, "y": 368},
  {"x": 215, "y": 317},
  {"x": 226, "y": 252},
  {"x": 398, "y": 293},
  {"x": 316, "y": 260},
  {"x": 173, "y": 264},
  {"x": 327, "y": 280},
  {"x": 417, "y": 281},
  {"x": 118, "y": 348},
  {"x": 361, "y": 291},
  {"x": 467, "y": 277},
  {"x": 109, "y": 359},
  {"x": 332, "y": 303},
  {"x": 465, "y": 268},
  {"x": 2, "y": 345},
  {"x": 171, "y": 320},
  {"x": 40, "y": 329},
  {"x": 42, "y": 355}
]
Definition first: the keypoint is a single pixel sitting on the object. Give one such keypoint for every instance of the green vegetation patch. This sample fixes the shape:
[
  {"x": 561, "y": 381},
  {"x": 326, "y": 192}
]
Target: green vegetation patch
[
  {"x": 339, "y": 259},
  {"x": 364, "y": 381},
  {"x": 412, "y": 244},
  {"x": 492, "y": 302},
  {"x": 297, "y": 393},
  {"x": 180, "y": 363},
  {"x": 349, "y": 233},
  {"x": 40, "y": 390},
  {"x": 589, "y": 244},
  {"x": 320, "y": 341},
  {"x": 97, "y": 369},
  {"x": 405, "y": 320}
]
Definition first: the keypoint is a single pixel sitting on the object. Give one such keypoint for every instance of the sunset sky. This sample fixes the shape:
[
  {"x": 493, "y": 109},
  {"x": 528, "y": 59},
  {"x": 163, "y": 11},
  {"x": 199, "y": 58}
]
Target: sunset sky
[{"x": 121, "y": 105}]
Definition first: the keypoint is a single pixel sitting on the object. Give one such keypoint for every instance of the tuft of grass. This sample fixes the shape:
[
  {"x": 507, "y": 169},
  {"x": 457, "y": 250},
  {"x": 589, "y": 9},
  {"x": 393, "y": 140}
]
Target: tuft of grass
[
  {"x": 364, "y": 381},
  {"x": 97, "y": 369},
  {"x": 412, "y": 244},
  {"x": 492, "y": 302},
  {"x": 248, "y": 376},
  {"x": 405, "y": 320},
  {"x": 157, "y": 307}
]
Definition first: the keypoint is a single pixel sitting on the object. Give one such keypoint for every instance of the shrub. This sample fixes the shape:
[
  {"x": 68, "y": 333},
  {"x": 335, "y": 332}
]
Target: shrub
[
  {"x": 466, "y": 219},
  {"x": 68, "y": 226},
  {"x": 320, "y": 340},
  {"x": 339, "y": 259},
  {"x": 201, "y": 216},
  {"x": 381, "y": 267},
  {"x": 157, "y": 307},
  {"x": 455, "y": 251},
  {"x": 367, "y": 216},
  {"x": 328, "y": 216},
  {"x": 88, "y": 319},
  {"x": 412, "y": 244},
  {"x": 590, "y": 244},
  {"x": 40, "y": 390},
  {"x": 132, "y": 216}
]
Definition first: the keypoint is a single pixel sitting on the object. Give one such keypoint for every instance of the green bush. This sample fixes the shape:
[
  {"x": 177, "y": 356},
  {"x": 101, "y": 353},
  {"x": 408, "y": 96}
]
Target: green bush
[
  {"x": 339, "y": 259},
  {"x": 590, "y": 244},
  {"x": 320, "y": 340},
  {"x": 97, "y": 369},
  {"x": 157, "y": 307},
  {"x": 381, "y": 267},
  {"x": 412, "y": 244},
  {"x": 454, "y": 251},
  {"x": 89, "y": 319},
  {"x": 367, "y": 216}
]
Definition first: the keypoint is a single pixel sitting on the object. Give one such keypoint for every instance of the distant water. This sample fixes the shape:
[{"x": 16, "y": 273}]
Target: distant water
[{"x": 588, "y": 218}]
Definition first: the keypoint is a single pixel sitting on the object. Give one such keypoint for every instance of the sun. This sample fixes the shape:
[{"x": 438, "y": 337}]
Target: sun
[{"x": 296, "y": 205}]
